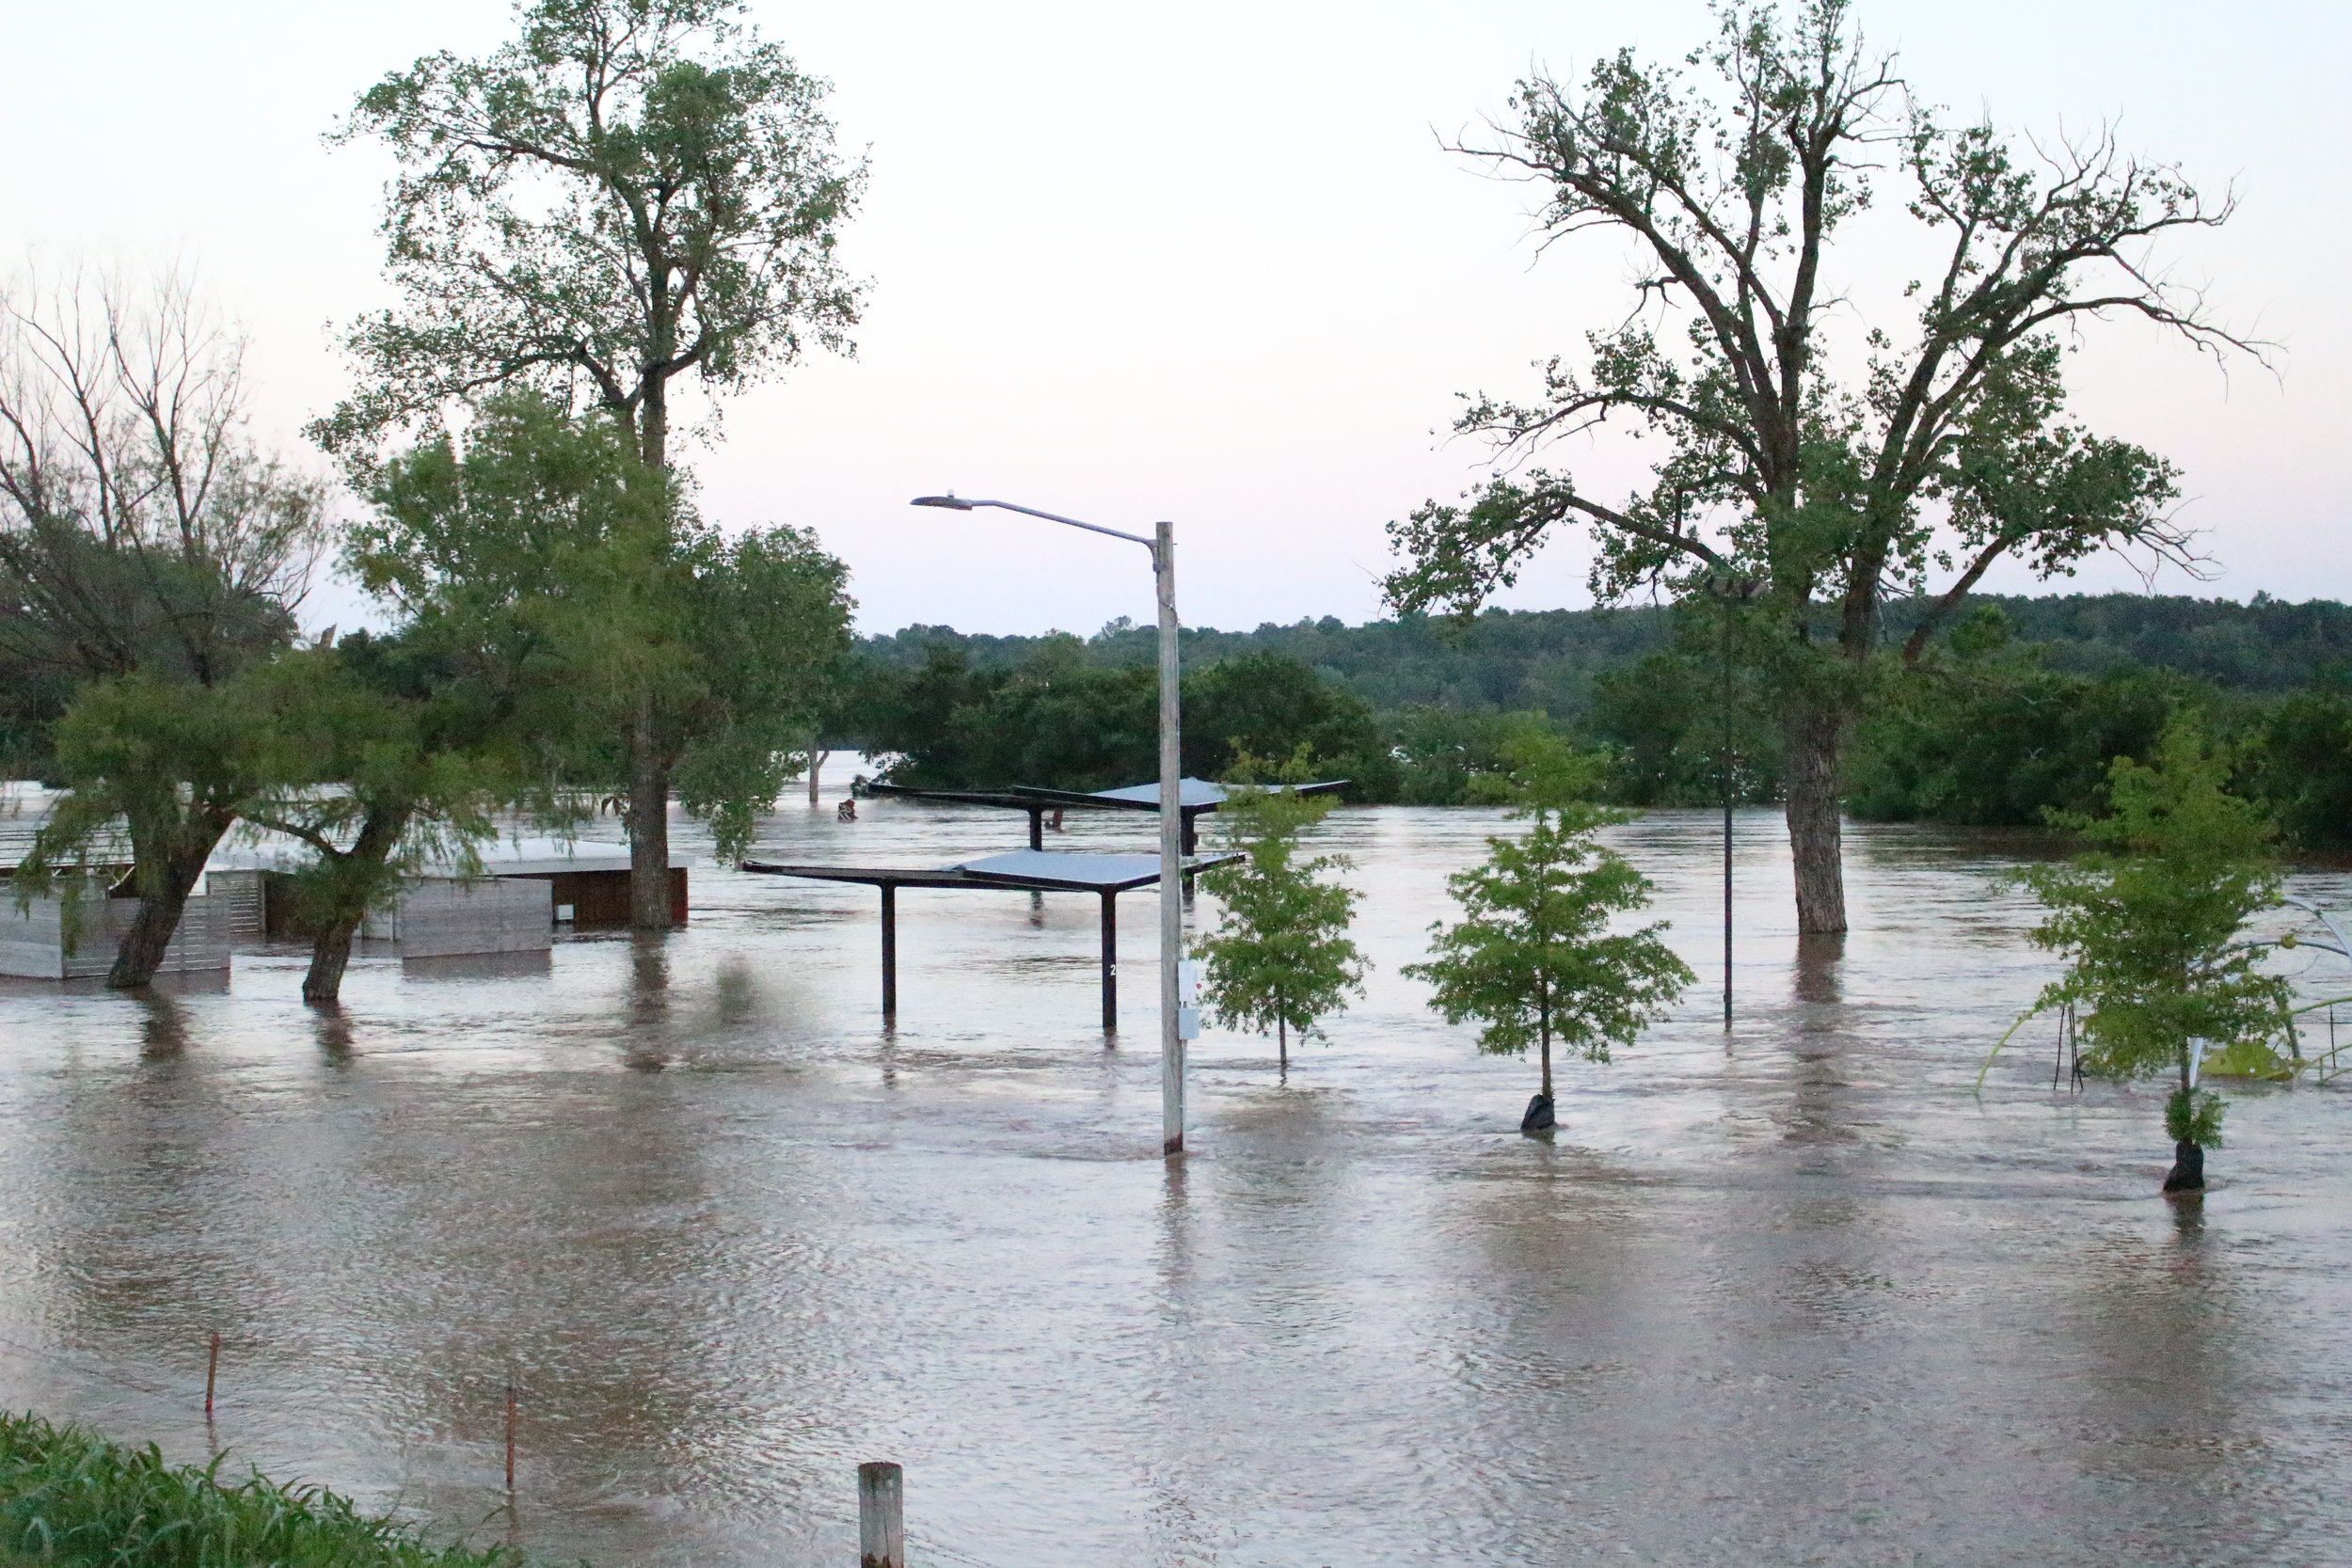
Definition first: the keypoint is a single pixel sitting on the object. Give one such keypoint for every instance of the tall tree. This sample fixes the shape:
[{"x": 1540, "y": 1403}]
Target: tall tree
[
  {"x": 2150, "y": 922},
  {"x": 630, "y": 192},
  {"x": 148, "y": 543},
  {"x": 1280, "y": 957},
  {"x": 1532, "y": 957},
  {"x": 1823, "y": 468}
]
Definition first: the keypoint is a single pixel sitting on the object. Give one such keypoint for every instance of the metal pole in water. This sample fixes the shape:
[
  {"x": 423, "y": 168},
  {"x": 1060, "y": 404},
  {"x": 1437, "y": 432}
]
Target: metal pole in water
[
  {"x": 881, "y": 1527},
  {"x": 1725, "y": 770},
  {"x": 890, "y": 952},
  {"x": 1171, "y": 844},
  {"x": 1110, "y": 963}
]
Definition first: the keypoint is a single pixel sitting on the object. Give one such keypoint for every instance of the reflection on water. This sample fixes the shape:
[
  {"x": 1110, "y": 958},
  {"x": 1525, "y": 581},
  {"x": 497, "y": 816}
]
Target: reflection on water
[{"x": 1792, "y": 1296}]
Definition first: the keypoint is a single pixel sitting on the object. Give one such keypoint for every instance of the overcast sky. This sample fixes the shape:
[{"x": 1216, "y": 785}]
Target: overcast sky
[{"x": 1208, "y": 263}]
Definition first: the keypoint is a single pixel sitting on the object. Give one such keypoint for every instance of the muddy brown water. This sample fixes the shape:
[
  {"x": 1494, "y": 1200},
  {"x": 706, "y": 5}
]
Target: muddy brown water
[{"x": 1792, "y": 1295}]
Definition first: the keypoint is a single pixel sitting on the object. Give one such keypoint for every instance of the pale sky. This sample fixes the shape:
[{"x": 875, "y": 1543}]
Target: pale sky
[{"x": 1207, "y": 262}]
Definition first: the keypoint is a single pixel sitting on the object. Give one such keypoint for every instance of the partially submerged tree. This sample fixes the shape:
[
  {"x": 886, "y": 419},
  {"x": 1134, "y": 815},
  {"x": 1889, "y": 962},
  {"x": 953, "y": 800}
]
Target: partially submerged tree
[
  {"x": 383, "y": 758},
  {"x": 546, "y": 556},
  {"x": 1532, "y": 957},
  {"x": 176, "y": 763},
  {"x": 1280, "y": 957},
  {"x": 2150, "y": 923},
  {"x": 150, "y": 551},
  {"x": 629, "y": 194},
  {"x": 1826, "y": 469}
]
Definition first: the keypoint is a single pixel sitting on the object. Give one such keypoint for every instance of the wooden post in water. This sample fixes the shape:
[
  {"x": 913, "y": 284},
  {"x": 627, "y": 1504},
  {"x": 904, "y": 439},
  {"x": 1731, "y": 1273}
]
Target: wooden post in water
[
  {"x": 882, "y": 1526},
  {"x": 510, "y": 1442},
  {"x": 211, "y": 1375}
]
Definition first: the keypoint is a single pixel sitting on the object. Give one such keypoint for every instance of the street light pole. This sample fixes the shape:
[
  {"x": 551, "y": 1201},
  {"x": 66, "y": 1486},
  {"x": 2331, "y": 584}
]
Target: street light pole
[
  {"x": 1163, "y": 547},
  {"x": 1171, "y": 845}
]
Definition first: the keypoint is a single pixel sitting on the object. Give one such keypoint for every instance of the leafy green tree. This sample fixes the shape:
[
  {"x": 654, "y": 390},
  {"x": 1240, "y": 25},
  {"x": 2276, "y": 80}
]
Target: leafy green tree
[
  {"x": 1991, "y": 734},
  {"x": 382, "y": 759},
  {"x": 1448, "y": 757},
  {"x": 2295, "y": 757},
  {"x": 149, "y": 553},
  {"x": 2150, "y": 925},
  {"x": 1057, "y": 721},
  {"x": 176, "y": 762},
  {"x": 1533, "y": 959},
  {"x": 1280, "y": 957},
  {"x": 1269, "y": 704},
  {"x": 630, "y": 192},
  {"x": 1833, "y": 483},
  {"x": 617, "y": 628}
]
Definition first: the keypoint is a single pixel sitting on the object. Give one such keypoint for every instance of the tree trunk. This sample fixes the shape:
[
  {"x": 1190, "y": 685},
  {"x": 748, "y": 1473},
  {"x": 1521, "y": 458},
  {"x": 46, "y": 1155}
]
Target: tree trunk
[
  {"x": 2188, "y": 1173},
  {"x": 142, "y": 951},
  {"x": 815, "y": 762},
  {"x": 330, "y": 950},
  {"x": 1815, "y": 839},
  {"x": 330, "y": 955},
  {"x": 648, "y": 827},
  {"x": 1282, "y": 1041},
  {"x": 1545, "y": 1034}
]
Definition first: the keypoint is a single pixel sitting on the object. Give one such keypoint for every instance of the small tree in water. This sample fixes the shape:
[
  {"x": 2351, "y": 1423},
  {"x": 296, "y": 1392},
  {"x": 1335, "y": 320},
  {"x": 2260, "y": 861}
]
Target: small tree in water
[
  {"x": 2149, "y": 923},
  {"x": 1533, "y": 959},
  {"x": 1281, "y": 958}
]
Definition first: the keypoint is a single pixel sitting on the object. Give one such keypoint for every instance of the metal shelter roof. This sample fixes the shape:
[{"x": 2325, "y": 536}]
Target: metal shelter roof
[
  {"x": 1023, "y": 870},
  {"x": 1192, "y": 795}
]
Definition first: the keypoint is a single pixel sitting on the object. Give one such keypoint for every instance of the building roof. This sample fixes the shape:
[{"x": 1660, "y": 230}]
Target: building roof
[{"x": 507, "y": 857}]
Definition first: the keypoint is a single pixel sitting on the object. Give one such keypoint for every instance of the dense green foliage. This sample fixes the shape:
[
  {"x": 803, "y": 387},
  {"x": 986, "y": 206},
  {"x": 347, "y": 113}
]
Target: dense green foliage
[
  {"x": 1280, "y": 957},
  {"x": 385, "y": 754},
  {"x": 1533, "y": 959},
  {"x": 1064, "y": 721},
  {"x": 1549, "y": 660},
  {"x": 2150, "y": 923},
  {"x": 565, "y": 576},
  {"x": 628, "y": 198},
  {"x": 629, "y": 193},
  {"x": 2013, "y": 712},
  {"x": 74, "y": 1500},
  {"x": 150, "y": 553}
]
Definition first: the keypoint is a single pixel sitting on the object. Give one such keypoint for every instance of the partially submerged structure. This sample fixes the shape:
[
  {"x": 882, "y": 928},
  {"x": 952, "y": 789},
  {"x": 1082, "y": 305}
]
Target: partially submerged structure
[
  {"x": 55, "y": 938},
  {"x": 1036, "y": 869},
  {"x": 526, "y": 888}
]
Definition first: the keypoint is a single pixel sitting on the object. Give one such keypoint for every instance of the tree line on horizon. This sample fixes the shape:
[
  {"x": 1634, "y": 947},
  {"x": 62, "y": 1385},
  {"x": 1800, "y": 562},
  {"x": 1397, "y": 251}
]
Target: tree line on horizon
[{"x": 1994, "y": 726}]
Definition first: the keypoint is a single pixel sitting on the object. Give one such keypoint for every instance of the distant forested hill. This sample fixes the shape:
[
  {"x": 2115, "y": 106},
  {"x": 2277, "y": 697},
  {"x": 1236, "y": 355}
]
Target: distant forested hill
[{"x": 1548, "y": 658}]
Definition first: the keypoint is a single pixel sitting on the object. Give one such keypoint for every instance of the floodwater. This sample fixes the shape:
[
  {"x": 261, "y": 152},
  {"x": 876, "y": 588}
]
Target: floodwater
[{"x": 1789, "y": 1296}]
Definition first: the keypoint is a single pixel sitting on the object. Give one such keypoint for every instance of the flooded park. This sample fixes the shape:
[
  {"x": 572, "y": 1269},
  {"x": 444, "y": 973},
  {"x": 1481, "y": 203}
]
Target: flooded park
[{"x": 1792, "y": 1293}]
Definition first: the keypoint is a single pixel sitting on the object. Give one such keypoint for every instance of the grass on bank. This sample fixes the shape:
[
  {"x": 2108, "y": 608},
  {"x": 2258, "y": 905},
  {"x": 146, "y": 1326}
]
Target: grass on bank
[{"x": 71, "y": 1498}]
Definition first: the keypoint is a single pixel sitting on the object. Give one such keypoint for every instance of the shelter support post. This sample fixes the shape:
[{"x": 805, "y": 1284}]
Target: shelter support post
[
  {"x": 890, "y": 951},
  {"x": 1110, "y": 962}
]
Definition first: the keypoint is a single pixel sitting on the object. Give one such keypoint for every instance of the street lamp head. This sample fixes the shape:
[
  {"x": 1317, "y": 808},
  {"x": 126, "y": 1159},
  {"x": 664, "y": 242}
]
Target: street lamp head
[{"x": 949, "y": 501}]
